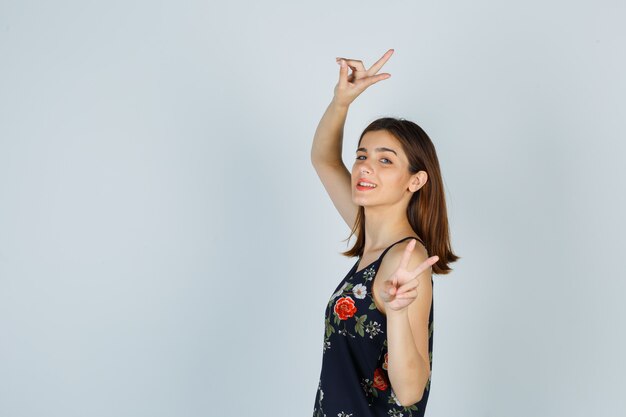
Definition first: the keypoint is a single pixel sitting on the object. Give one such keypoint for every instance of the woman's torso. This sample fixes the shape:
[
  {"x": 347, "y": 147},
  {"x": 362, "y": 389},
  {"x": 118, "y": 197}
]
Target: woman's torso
[{"x": 353, "y": 380}]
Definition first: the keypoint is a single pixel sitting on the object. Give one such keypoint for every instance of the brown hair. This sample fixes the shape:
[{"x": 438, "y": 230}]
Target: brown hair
[{"x": 426, "y": 210}]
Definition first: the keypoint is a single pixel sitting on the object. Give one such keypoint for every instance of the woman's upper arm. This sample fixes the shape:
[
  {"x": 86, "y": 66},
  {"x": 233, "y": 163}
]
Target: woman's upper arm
[{"x": 338, "y": 183}]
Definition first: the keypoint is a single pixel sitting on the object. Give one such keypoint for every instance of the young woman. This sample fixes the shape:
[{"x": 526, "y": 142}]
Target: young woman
[{"x": 379, "y": 322}]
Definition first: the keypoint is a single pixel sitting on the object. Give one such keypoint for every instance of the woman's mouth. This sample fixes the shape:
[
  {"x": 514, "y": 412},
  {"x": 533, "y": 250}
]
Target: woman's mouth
[{"x": 364, "y": 186}]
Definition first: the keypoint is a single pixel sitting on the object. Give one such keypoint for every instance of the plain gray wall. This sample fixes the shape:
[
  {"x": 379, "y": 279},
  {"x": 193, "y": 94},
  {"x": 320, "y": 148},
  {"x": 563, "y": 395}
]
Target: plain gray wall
[{"x": 167, "y": 249}]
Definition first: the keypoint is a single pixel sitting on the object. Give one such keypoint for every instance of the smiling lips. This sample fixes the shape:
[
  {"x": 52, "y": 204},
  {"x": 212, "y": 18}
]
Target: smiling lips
[{"x": 364, "y": 184}]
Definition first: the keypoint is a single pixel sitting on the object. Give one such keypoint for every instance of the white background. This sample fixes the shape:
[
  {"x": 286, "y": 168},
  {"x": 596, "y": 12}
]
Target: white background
[{"x": 167, "y": 249}]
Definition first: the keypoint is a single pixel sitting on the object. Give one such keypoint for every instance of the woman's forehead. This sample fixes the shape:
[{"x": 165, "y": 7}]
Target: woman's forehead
[
  {"x": 380, "y": 140},
  {"x": 379, "y": 136}
]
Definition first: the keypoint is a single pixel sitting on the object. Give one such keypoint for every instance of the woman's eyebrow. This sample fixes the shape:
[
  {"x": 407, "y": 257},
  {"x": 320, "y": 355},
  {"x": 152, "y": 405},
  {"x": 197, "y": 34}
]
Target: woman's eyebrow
[{"x": 378, "y": 150}]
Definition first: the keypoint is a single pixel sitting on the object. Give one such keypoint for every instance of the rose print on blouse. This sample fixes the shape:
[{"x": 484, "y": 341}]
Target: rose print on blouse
[
  {"x": 380, "y": 380},
  {"x": 344, "y": 308},
  {"x": 344, "y": 311}
]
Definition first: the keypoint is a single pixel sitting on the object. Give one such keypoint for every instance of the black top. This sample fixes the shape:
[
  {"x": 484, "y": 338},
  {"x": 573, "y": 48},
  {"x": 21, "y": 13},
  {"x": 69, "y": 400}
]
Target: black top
[{"x": 354, "y": 380}]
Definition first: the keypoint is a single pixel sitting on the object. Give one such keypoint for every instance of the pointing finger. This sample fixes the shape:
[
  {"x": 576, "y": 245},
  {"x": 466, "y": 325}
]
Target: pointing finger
[
  {"x": 407, "y": 250},
  {"x": 379, "y": 64},
  {"x": 425, "y": 265}
]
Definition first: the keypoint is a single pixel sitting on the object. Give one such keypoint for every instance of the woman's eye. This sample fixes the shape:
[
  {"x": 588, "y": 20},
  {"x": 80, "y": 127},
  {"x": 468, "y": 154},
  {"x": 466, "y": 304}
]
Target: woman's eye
[{"x": 382, "y": 159}]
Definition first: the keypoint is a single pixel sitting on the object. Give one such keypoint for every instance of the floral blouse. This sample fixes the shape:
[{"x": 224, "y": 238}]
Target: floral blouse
[{"x": 353, "y": 379}]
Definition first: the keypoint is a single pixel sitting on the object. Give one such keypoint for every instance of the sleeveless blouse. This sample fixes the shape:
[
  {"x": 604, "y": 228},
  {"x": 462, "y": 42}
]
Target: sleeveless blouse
[{"x": 353, "y": 379}]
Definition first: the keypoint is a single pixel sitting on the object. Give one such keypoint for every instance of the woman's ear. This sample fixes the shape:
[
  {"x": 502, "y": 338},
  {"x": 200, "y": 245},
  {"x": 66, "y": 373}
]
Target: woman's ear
[{"x": 418, "y": 180}]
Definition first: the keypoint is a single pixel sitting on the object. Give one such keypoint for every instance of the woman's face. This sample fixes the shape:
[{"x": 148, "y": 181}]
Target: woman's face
[{"x": 381, "y": 161}]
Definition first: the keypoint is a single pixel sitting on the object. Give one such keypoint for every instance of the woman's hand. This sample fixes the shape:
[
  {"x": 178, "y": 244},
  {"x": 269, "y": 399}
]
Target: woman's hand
[
  {"x": 350, "y": 86},
  {"x": 400, "y": 289}
]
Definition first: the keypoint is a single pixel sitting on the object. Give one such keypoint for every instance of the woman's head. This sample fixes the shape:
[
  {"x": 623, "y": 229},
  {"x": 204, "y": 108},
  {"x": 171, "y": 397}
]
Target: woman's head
[
  {"x": 383, "y": 163},
  {"x": 398, "y": 157}
]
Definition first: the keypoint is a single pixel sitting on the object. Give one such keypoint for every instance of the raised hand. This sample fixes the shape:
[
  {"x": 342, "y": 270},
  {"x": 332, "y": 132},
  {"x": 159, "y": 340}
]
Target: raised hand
[
  {"x": 400, "y": 289},
  {"x": 350, "y": 86}
]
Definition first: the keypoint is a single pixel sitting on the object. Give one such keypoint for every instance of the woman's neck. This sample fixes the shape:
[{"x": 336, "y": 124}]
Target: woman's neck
[{"x": 382, "y": 228}]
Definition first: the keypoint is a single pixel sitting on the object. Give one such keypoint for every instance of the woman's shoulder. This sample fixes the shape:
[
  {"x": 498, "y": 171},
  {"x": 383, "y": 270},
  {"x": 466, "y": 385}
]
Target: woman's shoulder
[{"x": 394, "y": 255}]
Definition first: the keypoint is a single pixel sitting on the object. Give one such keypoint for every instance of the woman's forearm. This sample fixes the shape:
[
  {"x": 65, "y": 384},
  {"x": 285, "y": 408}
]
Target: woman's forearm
[
  {"x": 408, "y": 373},
  {"x": 328, "y": 139}
]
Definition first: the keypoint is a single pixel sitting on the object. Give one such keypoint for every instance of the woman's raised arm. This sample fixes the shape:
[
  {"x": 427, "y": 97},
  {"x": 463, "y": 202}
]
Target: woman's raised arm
[{"x": 328, "y": 140}]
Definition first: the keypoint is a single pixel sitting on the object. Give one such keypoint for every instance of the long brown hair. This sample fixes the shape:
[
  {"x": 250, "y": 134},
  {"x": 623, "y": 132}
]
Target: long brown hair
[{"x": 426, "y": 211}]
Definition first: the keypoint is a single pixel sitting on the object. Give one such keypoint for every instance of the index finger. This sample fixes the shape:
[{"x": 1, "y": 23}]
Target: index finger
[
  {"x": 404, "y": 262},
  {"x": 425, "y": 265},
  {"x": 379, "y": 64}
]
